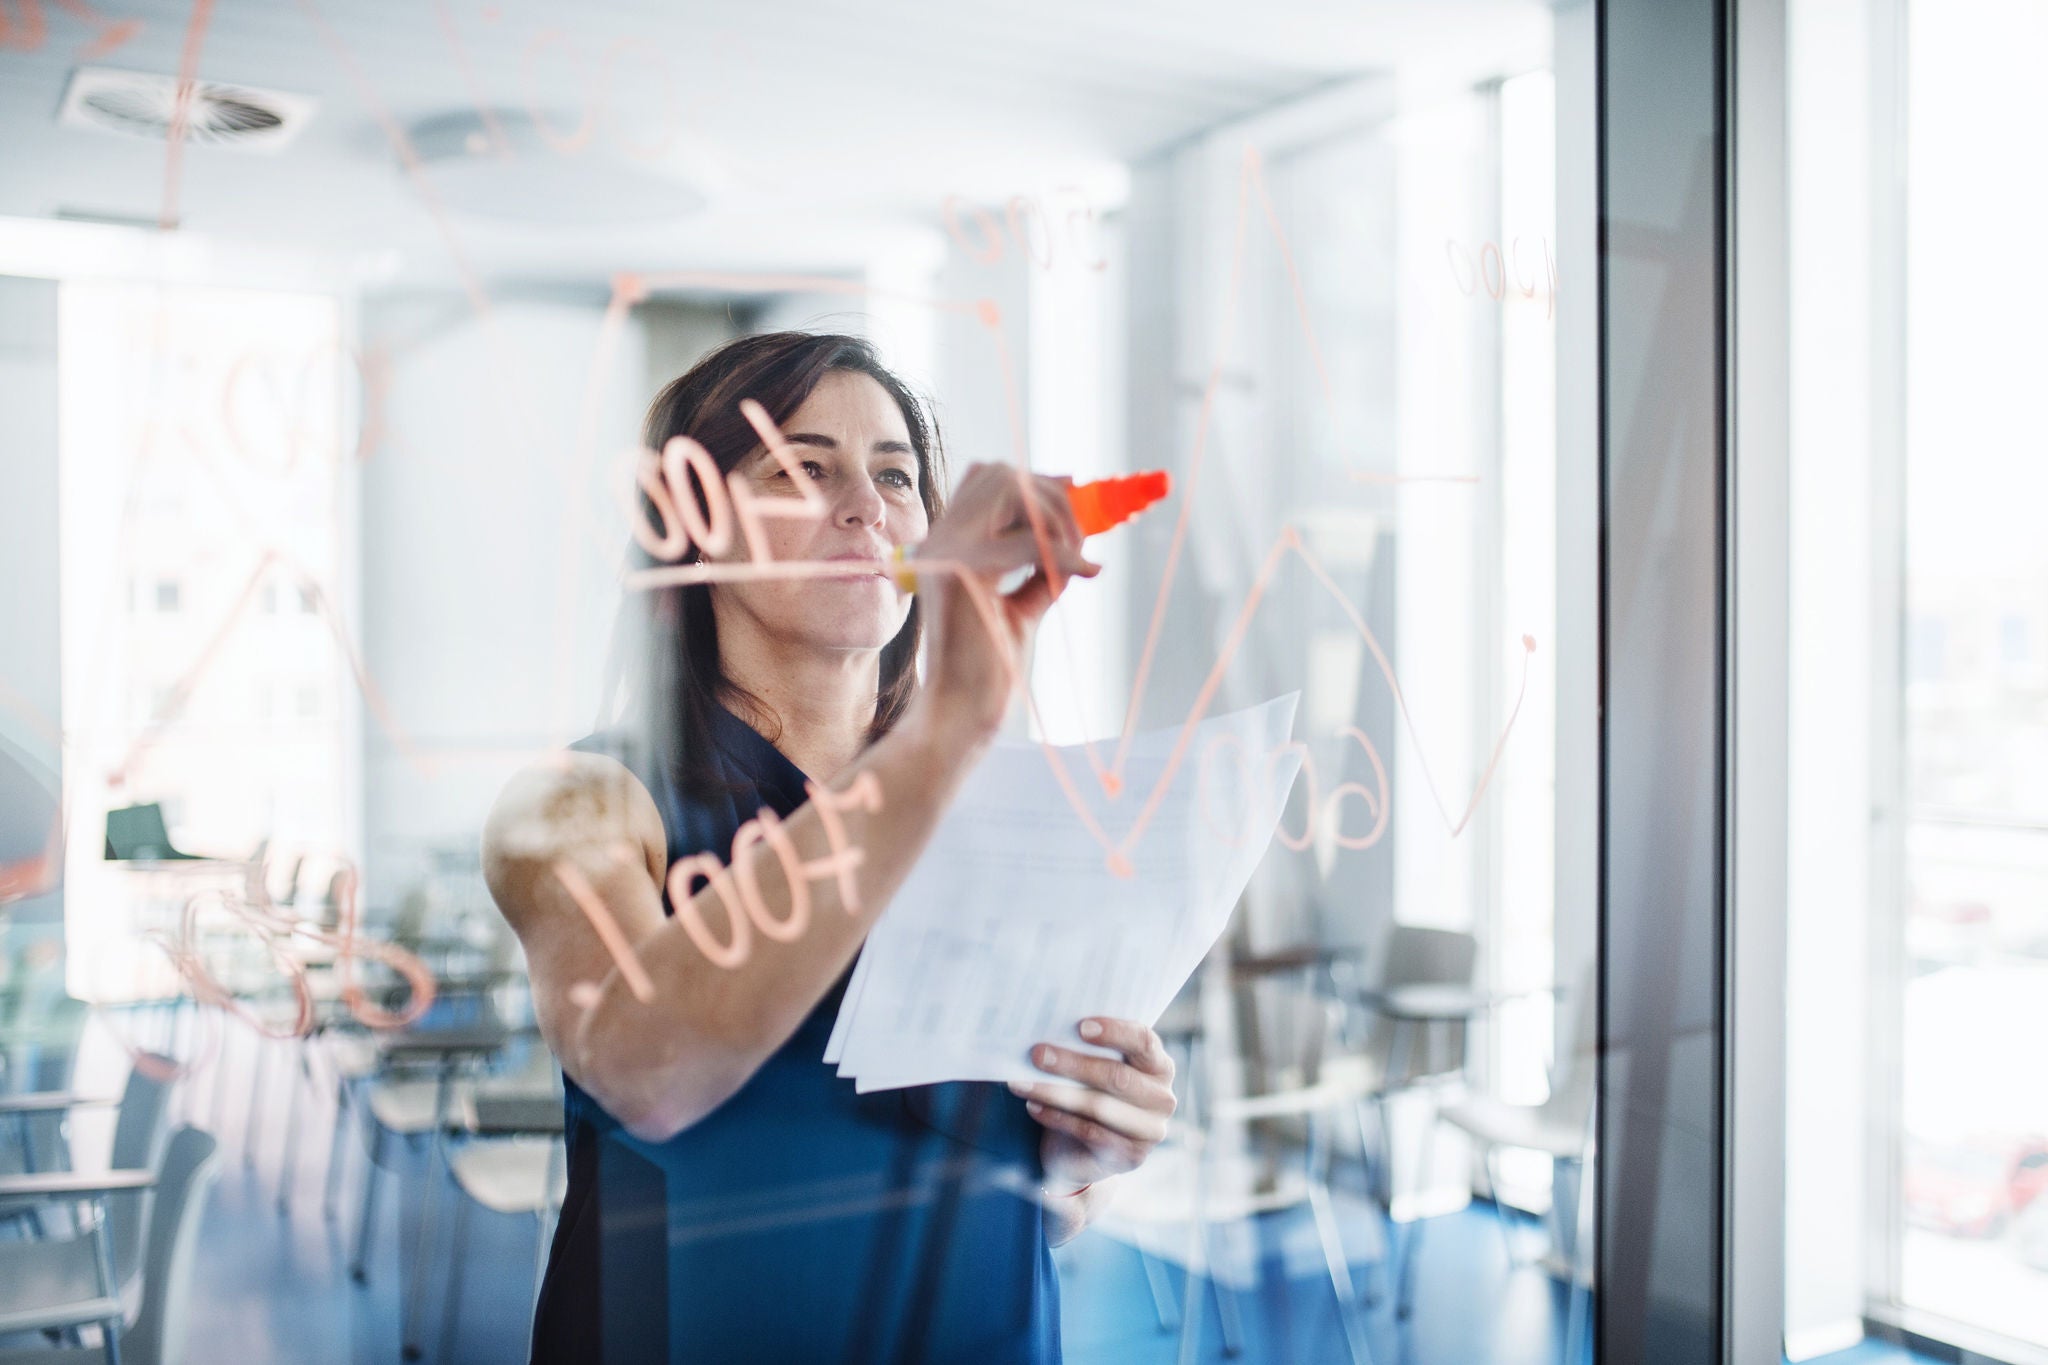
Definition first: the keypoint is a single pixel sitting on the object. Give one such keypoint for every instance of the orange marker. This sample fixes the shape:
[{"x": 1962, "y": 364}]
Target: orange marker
[
  {"x": 1097, "y": 507},
  {"x": 1111, "y": 502}
]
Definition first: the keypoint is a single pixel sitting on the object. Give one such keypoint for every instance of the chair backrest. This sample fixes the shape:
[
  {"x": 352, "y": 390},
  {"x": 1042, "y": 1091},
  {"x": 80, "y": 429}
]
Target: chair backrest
[
  {"x": 1576, "y": 1074},
  {"x": 157, "y": 1336},
  {"x": 138, "y": 1145},
  {"x": 1418, "y": 956}
]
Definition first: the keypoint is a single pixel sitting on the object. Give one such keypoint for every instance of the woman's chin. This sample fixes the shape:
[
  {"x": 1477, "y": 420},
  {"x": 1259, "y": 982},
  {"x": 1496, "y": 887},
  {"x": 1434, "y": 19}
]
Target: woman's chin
[{"x": 857, "y": 630}]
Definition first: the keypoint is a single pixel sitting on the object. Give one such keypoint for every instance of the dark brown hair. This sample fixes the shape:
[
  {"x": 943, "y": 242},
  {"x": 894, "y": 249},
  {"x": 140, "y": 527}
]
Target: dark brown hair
[{"x": 682, "y": 680}]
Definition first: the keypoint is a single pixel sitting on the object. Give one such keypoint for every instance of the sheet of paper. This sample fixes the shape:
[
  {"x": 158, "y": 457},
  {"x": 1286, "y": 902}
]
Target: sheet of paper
[{"x": 1014, "y": 925}]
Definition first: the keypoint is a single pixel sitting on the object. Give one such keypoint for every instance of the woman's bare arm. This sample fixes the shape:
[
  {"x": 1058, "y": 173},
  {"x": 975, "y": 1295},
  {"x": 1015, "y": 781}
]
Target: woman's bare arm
[
  {"x": 660, "y": 1065},
  {"x": 583, "y": 823}
]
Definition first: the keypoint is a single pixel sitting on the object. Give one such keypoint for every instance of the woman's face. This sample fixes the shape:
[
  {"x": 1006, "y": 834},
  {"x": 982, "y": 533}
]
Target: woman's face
[{"x": 850, "y": 440}]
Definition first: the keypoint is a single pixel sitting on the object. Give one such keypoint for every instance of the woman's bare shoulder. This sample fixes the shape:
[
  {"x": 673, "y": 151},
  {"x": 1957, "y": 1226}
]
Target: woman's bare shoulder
[{"x": 567, "y": 801}]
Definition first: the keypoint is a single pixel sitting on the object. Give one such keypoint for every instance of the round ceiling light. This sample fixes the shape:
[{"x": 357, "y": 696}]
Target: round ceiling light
[{"x": 498, "y": 164}]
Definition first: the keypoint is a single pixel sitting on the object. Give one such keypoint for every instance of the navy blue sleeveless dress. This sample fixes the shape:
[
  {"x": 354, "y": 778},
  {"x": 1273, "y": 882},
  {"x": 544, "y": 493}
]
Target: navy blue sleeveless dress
[{"x": 799, "y": 1221}]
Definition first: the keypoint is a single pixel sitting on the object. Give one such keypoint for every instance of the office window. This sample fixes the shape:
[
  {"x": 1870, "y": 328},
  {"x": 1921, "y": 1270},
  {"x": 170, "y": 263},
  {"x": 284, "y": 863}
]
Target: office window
[
  {"x": 172, "y": 701},
  {"x": 1919, "y": 715},
  {"x": 1975, "y": 1241}
]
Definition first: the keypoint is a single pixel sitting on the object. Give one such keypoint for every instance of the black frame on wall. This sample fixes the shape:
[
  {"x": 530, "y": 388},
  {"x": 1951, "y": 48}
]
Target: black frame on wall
[{"x": 1665, "y": 412}]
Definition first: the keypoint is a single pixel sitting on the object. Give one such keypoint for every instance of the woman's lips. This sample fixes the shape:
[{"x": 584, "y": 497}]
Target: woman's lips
[{"x": 870, "y": 566}]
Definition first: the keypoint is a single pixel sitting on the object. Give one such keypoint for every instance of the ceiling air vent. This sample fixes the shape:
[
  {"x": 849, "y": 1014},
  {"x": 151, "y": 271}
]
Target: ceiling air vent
[{"x": 140, "y": 104}]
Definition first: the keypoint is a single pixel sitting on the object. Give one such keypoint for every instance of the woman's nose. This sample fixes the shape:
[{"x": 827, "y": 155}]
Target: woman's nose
[{"x": 863, "y": 504}]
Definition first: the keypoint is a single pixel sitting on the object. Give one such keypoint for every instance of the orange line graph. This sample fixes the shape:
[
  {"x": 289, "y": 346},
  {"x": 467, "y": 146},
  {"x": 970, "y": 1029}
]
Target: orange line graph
[
  {"x": 630, "y": 289},
  {"x": 1251, "y": 184}
]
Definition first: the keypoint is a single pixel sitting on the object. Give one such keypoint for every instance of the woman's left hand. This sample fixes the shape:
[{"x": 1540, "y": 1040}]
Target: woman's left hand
[{"x": 1108, "y": 1114}]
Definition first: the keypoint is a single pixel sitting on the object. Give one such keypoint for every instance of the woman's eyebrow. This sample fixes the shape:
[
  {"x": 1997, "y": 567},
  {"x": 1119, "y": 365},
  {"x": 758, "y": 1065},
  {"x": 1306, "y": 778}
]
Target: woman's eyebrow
[{"x": 814, "y": 438}]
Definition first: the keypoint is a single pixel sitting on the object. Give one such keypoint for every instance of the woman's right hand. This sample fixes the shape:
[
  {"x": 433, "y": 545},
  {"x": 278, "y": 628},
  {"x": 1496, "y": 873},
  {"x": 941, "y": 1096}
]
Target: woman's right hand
[{"x": 1000, "y": 520}]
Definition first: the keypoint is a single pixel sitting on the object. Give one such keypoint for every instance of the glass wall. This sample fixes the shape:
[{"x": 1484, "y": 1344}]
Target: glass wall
[{"x": 360, "y": 312}]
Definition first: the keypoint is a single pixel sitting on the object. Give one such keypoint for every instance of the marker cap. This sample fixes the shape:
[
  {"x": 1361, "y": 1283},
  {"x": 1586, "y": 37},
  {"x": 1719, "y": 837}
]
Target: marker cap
[{"x": 1105, "y": 503}]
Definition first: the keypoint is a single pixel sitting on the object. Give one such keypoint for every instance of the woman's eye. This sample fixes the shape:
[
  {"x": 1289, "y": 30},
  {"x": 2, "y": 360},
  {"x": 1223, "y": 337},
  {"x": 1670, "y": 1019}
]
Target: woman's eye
[{"x": 900, "y": 477}]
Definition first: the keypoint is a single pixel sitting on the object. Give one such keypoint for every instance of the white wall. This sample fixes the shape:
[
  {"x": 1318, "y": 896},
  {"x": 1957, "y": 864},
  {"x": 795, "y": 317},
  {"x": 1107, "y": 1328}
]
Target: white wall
[
  {"x": 1829, "y": 794},
  {"x": 488, "y": 556}
]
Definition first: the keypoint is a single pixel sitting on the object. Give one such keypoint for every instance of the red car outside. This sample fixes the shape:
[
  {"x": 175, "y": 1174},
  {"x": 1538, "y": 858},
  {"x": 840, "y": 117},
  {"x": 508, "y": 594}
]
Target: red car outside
[{"x": 1973, "y": 1188}]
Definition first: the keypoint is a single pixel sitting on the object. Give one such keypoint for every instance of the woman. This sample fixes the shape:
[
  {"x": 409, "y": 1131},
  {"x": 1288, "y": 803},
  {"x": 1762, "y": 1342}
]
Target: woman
[{"x": 730, "y": 1198}]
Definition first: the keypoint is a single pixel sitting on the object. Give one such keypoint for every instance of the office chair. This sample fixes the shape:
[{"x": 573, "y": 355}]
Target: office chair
[
  {"x": 138, "y": 1141},
  {"x": 1561, "y": 1127},
  {"x": 514, "y": 1164},
  {"x": 76, "y": 1282}
]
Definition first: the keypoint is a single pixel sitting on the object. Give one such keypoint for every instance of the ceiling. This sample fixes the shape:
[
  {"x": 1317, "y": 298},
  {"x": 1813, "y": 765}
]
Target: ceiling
[{"x": 818, "y": 131}]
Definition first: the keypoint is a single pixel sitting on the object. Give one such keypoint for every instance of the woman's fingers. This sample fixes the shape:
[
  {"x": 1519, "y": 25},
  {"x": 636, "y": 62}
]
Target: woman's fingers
[
  {"x": 1018, "y": 497},
  {"x": 1000, "y": 520},
  {"x": 1126, "y": 1118},
  {"x": 1095, "y": 1151},
  {"x": 1144, "y": 1088},
  {"x": 1048, "y": 509},
  {"x": 1124, "y": 1103},
  {"x": 1141, "y": 1046},
  {"x": 1116, "y": 1110},
  {"x": 1017, "y": 549},
  {"x": 1004, "y": 518},
  {"x": 1095, "y": 1118}
]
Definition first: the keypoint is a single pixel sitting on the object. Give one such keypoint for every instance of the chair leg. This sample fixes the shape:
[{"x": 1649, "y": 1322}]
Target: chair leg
[
  {"x": 1228, "y": 1314},
  {"x": 1191, "y": 1288},
  {"x": 1386, "y": 1145},
  {"x": 175, "y": 1046},
  {"x": 413, "y": 1302},
  {"x": 288, "y": 1159},
  {"x": 1199, "y": 1253},
  {"x": 1500, "y": 1210},
  {"x": 358, "y": 1269},
  {"x": 217, "y": 1101},
  {"x": 1411, "y": 1245},
  {"x": 1200, "y": 1249},
  {"x": 1333, "y": 1240},
  {"x": 1163, "y": 1306},
  {"x": 337, "y": 1151},
  {"x": 1316, "y": 1171},
  {"x": 451, "y": 1305},
  {"x": 253, "y": 1129},
  {"x": 1378, "y": 1173},
  {"x": 103, "y": 1246}
]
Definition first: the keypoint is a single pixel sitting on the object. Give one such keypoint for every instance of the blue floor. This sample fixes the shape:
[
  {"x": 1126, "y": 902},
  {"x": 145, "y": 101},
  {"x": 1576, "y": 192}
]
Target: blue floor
[
  {"x": 275, "y": 1288},
  {"x": 1873, "y": 1353}
]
